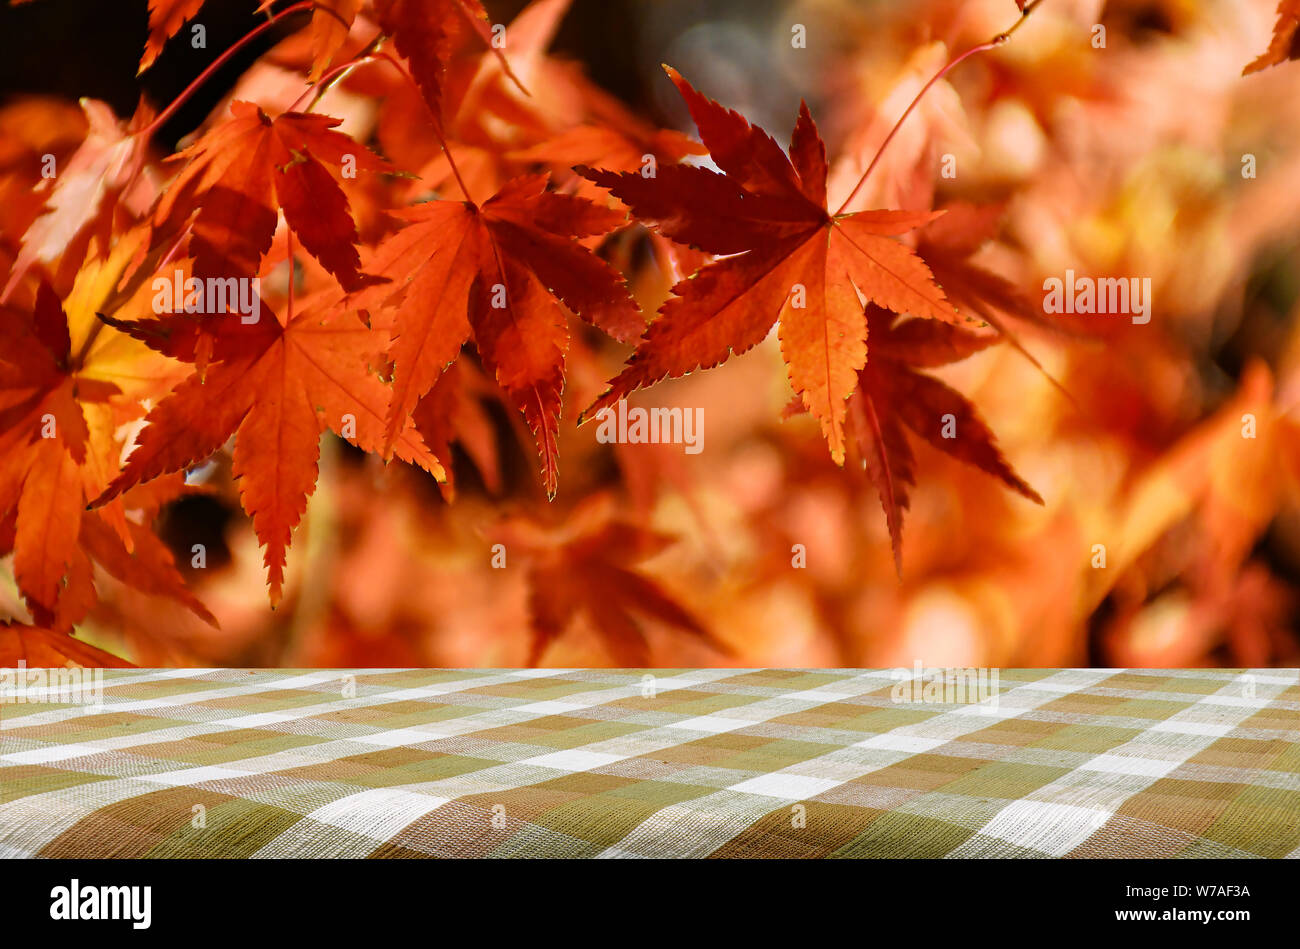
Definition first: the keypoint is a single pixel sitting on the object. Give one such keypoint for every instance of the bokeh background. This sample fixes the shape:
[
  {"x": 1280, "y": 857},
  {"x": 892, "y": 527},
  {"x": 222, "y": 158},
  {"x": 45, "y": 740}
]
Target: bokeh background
[{"x": 1125, "y": 160}]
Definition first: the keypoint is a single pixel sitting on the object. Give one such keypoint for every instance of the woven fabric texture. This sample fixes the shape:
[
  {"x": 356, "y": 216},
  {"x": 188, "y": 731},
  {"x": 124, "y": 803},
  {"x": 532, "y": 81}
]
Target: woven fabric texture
[{"x": 657, "y": 763}]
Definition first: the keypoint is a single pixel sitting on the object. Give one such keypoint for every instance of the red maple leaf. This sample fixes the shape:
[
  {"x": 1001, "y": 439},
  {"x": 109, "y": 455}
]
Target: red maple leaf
[
  {"x": 948, "y": 244},
  {"x": 589, "y": 567},
  {"x": 788, "y": 259},
  {"x": 893, "y": 397}
]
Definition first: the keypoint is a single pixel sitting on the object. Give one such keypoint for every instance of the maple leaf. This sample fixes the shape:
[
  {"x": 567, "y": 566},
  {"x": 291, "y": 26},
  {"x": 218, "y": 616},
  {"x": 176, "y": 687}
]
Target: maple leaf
[
  {"x": 892, "y": 396},
  {"x": 427, "y": 33},
  {"x": 499, "y": 273},
  {"x": 56, "y": 447},
  {"x": 246, "y": 167},
  {"x": 276, "y": 387},
  {"x": 40, "y": 648},
  {"x": 788, "y": 260},
  {"x": 616, "y": 148},
  {"x": 947, "y": 245},
  {"x": 165, "y": 18},
  {"x": 1285, "y": 44},
  {"x": 588, "y": 568},
  {"x": 330, "y": 25},
  {"x": 83, "y": 197},
  {"x": 451, "y": 411},
  {"x": 492, "y": 114},
  {"x": 568, "y": 121}
]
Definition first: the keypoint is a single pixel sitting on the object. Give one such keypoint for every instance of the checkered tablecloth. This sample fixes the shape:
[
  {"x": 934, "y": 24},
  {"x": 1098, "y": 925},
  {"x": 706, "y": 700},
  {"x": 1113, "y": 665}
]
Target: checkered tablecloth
[{"x": 660, "y": 763}]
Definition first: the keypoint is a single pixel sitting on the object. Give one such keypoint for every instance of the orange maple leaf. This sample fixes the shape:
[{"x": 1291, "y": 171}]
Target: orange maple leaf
[
  {"x": 83, "y": 200},
  {"x": 331, "y": 20},
  {"x": 56, "y": 447},
  {"x": 1285, "y": 44},
  {"x": 276, "y": 386},
  {"x": 498, "y": 272},
  {"x": 427, "y": 33},
  {"x": 330, "y": 25},
  {"x": 789, "y": 260},
  {"x": 166, "y": 17},
  {"x": 246, "y": 167},
  {"x": 43, "y": 648},
  {"x": 451, "y": 411}
]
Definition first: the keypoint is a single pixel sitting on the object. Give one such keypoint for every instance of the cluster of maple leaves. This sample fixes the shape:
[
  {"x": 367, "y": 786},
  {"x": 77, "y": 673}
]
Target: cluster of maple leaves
[{"x": 463, "y": 260}]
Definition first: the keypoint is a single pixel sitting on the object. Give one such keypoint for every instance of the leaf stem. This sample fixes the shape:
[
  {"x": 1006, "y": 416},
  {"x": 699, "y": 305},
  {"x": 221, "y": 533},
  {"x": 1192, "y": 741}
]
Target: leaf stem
[
  {"x": 288, "y": 235},
  {"x": 437, "y": 125},
  {"x": 454, "y": 170},
  {"x": 322, "y": 86},
  {"x": 366, "y": 54},
  {"x": 220, "y": 61},
  {"x": 984, "y": 47}
]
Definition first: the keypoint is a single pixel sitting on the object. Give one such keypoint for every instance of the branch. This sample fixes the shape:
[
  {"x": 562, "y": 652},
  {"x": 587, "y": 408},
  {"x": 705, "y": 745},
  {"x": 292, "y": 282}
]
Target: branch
[{"x": 984, "y": 47}]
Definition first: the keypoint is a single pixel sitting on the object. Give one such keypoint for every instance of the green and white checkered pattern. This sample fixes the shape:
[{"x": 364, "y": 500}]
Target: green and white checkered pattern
[{"x": 658, "y": 763}]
